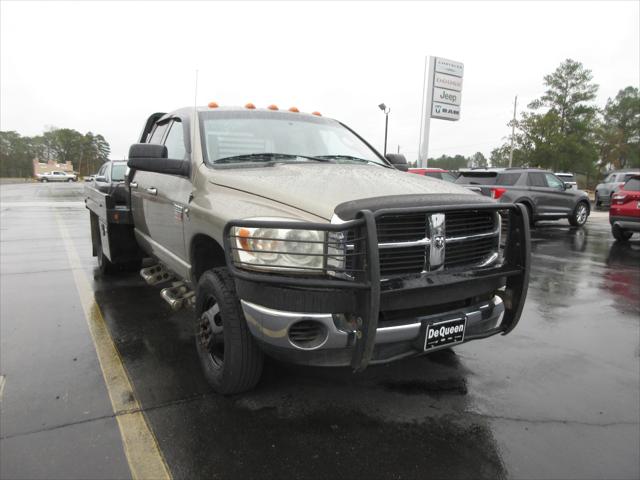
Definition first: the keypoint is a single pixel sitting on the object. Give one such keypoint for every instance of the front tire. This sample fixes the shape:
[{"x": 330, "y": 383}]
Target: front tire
[
  {"x": 620, "y": 234},
  {"x": 230, "y": 358},
  {"x": 580, "y": 215},
  {"x": 44, "y": 180}
]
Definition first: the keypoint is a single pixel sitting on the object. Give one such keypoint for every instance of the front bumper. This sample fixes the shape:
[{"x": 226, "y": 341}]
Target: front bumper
[
  {"x": 275, "y": 301},
  {"x": 401, "y": 338}
]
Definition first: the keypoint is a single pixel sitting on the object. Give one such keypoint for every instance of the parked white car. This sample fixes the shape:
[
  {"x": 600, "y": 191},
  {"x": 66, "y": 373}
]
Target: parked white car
[{"x": 57, "y": 176}]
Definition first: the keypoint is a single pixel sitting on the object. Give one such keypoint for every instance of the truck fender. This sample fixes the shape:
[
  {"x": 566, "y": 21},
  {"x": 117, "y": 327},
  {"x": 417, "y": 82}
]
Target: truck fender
[{"x": 205, "y": 253}]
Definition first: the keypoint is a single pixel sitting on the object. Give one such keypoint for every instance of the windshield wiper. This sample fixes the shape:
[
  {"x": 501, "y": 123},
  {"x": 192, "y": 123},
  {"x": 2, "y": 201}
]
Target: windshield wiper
[
  {"x": 349, "y": 157},
  {"x": 266, "y": 157}
]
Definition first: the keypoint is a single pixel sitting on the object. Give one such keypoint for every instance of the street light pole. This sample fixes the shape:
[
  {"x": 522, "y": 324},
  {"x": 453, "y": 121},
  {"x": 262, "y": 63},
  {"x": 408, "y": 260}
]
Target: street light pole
[{"x": 386, "y": 111}]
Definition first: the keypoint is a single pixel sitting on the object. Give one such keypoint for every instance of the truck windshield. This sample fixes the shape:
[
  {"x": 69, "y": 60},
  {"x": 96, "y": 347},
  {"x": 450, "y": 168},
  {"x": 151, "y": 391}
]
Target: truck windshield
[{"x": 234, "y": 137}]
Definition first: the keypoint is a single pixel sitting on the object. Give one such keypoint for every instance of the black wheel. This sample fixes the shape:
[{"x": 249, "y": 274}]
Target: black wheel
[
  {"x": 580, "y": 214},
  {"x": 230, "y": 359},
  {"x": 44, "y": 180},
  {"x": 70, "y": 180},
  {"x": 620, "y": 234},
  {"x": 104, "y": 264}
]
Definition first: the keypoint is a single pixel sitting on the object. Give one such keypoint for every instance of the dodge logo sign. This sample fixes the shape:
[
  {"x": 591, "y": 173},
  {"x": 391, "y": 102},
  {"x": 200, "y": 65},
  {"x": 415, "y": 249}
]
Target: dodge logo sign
[{"x": 438, "y": 241}]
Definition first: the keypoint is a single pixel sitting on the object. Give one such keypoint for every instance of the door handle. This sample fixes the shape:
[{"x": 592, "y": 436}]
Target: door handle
[
  {"x": 152, "y": 190},
  {"x": 133, "y": 184}
]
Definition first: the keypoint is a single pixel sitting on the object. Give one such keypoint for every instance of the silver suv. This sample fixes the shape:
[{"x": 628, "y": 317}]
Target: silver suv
[{"x": 611, "y": 184}]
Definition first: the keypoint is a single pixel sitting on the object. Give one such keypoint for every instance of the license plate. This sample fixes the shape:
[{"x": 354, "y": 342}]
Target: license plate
[{"x": 445, "y": 333}]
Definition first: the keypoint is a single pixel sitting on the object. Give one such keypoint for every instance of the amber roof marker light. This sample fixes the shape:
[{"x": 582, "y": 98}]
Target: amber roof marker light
[
  {"x": 250, "y": 106},
  {"x": 316, "y": 113},
  {"x": 294, "y": 110},
  {"x": 213, "y": 105},
  {"x": 272, "y": 107}
]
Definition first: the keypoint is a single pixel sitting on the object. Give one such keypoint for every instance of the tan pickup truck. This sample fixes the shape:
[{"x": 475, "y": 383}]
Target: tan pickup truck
[{"x": 291, "y": 236}]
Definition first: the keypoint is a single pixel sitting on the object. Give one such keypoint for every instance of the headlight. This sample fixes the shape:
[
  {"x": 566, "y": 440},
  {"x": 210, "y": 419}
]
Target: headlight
[{"x": 279, "y": 249}]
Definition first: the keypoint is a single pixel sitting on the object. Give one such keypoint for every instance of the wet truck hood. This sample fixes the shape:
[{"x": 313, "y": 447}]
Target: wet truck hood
[{"x": 319, "y": 188}]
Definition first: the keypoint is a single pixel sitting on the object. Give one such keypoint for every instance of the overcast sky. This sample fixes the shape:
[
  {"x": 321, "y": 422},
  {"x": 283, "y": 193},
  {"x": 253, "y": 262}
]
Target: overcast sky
[{"x": 104, "y": 67}]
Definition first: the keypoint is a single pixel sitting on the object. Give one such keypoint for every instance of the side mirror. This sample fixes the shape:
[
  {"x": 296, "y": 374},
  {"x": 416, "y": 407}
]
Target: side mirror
[
  {"x": 567, "y": 185},
  {"x": 150, "y": 157},
  {"x": 100, "y": 178},
  {"x": 399, "y": 161}
]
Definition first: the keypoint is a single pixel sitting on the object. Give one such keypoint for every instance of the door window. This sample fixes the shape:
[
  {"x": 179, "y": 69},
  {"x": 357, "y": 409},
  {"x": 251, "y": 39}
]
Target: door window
[
  {"x": 175, "y": 142},
  {"x": 632, "y": 185},
  {"x": 508, "y": 178},
  {"x": 536, "y": 180},
  {"x": 554, "y": 182}
]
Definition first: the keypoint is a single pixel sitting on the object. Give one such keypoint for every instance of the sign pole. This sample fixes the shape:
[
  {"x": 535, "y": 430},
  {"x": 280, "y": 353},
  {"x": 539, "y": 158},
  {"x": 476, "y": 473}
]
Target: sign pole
[{"x": 427, "y": 99}]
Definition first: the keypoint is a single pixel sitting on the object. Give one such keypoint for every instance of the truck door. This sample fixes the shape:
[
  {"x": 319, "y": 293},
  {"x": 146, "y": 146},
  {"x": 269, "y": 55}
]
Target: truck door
[
  {"x": 168, "y": 207},
  {"x": 141, "y": 199}
]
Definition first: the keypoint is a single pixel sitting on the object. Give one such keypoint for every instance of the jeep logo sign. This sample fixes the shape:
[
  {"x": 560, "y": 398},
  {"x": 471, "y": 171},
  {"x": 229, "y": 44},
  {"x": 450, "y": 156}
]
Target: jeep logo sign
[{"x": 451, "y": 97}]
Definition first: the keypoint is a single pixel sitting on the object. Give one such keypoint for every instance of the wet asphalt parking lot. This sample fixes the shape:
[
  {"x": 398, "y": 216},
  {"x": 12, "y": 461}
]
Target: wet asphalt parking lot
[{"x": 557, "y": 398}]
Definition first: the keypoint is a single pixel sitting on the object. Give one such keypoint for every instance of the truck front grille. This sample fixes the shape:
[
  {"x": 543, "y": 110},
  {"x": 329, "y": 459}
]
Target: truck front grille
[
  {"x": 471, "y": 240},
  {"x": 401, "y": 260},
  {"x": 469, "y": 223},
  {"x": 401, "y": 228}
]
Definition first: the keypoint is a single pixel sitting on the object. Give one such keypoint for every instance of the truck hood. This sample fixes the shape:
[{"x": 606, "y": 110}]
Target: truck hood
[{"x": 319, "y": 188}]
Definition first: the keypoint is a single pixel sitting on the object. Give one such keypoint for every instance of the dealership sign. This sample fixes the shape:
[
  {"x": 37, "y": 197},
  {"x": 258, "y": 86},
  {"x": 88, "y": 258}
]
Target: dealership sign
[
  {"x": 442, "y": 97},
  {"x": 445, "y": 89}
]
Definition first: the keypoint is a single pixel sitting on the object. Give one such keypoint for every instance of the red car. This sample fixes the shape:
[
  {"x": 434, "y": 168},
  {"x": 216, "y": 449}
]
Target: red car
[
  {"x": 624, "y": 215},
  {"x": 438, "y": 173}
]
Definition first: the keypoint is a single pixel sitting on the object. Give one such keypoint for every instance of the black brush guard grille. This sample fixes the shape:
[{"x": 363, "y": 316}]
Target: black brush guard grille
[{"x": 352, "y": 260}]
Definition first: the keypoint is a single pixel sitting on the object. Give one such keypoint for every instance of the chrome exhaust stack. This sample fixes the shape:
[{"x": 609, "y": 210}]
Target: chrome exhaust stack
[
  {"x": 178, "y": 295},
  {"x": 155, "y": 274}
]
